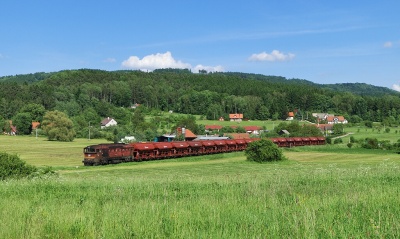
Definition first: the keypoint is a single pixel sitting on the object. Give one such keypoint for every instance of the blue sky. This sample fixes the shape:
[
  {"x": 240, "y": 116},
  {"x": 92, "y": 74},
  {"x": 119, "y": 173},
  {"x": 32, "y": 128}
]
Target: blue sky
[{"x": 321, "y": 41}]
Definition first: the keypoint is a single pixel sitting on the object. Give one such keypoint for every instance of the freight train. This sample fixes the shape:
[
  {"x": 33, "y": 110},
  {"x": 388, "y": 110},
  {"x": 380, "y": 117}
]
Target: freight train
[{"x": 102, "y": 154}]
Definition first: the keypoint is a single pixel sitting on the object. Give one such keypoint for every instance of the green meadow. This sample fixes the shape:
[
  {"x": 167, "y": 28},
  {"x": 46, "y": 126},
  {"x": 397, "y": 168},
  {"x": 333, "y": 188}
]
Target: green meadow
[{"x": 327, "y": 191}]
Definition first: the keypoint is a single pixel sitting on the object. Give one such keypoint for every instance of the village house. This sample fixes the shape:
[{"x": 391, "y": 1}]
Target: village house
[
  {"x": 107, "y": 122},
  {"x": 253, "y": 129},
  {"x": 290, "y": 116},
  {"x": 336, "y": 120},
  {"x": 13, "y": 129},
  {"x": 325, "y": 128},
  {"x": 236, "y": 117},
  {"x": 211, "y": 128},
  {"x": 35, "y": 125}
]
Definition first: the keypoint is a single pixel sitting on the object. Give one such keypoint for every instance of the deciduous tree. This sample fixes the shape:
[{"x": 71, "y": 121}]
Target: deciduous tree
[{"x": 57, "y": 126}]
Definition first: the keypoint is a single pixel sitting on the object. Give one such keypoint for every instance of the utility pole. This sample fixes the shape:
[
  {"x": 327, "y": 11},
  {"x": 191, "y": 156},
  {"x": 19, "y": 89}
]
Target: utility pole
[{"x": 89, "y": 130}]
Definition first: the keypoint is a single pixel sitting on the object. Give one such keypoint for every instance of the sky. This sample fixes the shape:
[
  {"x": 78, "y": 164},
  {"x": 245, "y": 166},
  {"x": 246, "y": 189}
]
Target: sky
[{"x": 322, "y": 41}]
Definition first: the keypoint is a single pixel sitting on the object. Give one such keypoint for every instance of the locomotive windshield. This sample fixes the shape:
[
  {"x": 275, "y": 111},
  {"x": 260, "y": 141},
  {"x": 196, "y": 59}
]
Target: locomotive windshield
[{"x": 90, "y": 150}]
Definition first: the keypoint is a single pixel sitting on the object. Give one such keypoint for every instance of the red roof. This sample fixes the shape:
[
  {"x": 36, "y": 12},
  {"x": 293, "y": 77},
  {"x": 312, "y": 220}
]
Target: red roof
[
  {"x": 13, "y": 128},
  {"x": 189, "y": 134},
  {"x": 325, "y": 126},
  {"x": 332, "y": 118},
  {"x": 213, "y": 127},
  {"x": 340, "y": 118},
  {"x": 251, "y": 128},
  {"x": 35, "y": 125},
  {"x": 235, "y": 116}
]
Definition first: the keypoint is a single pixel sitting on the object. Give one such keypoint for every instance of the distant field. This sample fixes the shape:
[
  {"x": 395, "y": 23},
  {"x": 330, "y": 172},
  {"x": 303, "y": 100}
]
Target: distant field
[
  {"x": 363, "y": 132},
  {"x": 41, "y": 152},
  {"x": 320, "y": 192}
]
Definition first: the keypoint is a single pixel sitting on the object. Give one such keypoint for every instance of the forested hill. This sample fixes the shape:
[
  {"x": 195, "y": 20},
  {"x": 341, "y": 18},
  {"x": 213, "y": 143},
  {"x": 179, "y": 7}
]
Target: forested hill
[
  {"x": 360, "y": 89},
  {"x": 104, "y": 93},
  {"x": 356, "y": 88}
]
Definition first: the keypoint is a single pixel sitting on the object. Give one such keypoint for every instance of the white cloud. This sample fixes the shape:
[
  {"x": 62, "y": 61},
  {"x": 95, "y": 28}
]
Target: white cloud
[
  {"x": 208, "y": 68},
  {"x": 110, "y": 60},
  {"x": 396, "y": 87},
  {"x": 388, "y": 44},
  {"x": 154, "y": 61},
  {"x": 162, "y": 61},
  {"x": 275, "y": 55}
]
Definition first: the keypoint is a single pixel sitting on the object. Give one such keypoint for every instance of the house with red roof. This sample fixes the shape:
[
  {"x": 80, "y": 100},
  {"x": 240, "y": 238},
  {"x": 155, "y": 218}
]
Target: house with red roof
[
  {"x": 336, "y": 120},
  {"x": 236, "y": 117},
  {"x": 13, "y": 129},
  {"x": 189, "y": 135},
  {"x": 252, "y": 129},
  {"x": 35, "y": 125},
  {"x": 290, "y": 116},
  {"x": 212, "y": 128},
  {"x": 325, "y": 128}
]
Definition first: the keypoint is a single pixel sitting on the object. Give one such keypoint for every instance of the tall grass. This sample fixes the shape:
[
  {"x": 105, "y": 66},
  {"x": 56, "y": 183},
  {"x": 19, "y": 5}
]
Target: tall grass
[
  {"x": 320, "y": 192},
  {"x": 230, "y": 199}
]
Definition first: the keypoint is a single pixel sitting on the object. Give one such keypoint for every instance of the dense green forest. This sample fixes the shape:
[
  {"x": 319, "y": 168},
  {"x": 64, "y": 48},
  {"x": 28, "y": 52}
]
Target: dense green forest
[{"x": 89, "y": 95}]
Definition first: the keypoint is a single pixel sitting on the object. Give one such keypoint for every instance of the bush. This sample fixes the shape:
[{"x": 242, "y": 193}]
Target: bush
[
  {"x": 368, "y": 124},
  {"x": 370, "y": 143},
  {"x": 352, "y": 139},
  {"x": 263, "y": 150},
  {"x": 338, "y": 141},
  {"x": 328, "y": 140},
  {"x": 11, "y": 166}
]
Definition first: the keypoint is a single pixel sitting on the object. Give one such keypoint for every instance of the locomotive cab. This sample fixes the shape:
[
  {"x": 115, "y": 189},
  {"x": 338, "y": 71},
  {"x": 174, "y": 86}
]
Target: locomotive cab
[{"x": 91, "y": 155}]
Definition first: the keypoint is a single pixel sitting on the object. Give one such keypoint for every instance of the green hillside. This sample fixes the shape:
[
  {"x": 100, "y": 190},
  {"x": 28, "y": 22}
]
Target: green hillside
[{"x": 88, "y": 95}]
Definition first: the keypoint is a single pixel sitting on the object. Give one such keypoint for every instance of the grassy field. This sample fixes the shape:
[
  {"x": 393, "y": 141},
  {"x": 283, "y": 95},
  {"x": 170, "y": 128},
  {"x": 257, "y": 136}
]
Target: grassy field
[{"x": 320, "y": 192}]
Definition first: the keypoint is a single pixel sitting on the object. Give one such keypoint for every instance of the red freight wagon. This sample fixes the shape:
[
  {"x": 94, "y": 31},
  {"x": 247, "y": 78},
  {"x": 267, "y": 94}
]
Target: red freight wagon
[
  {"x": 306, "y": 141},
  {"x": 313, "y": 141},
  {"x": 289, "y": 142},
  {"x": 143, "y": 151},
  {"x": 275, "y": 140},
  {"x": 298, "y": 141},
  {"x": 196, "y": 147},
  {"x": 321, "y": 140},
  {"x": 231, "y": 144},
  {"x": 282, "y": 142},
  {"x": 209, "y": 146},
  {"x": 241, "y": 144},
  {"x": 164, "y": 149},
  {"x": 181, "y": 148},
  {"x": 220, "y": 146}
]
